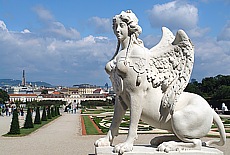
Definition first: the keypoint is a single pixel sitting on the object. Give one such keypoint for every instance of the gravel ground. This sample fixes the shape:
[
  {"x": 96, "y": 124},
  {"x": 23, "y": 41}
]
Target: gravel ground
[{"x": 62, "y": 136}]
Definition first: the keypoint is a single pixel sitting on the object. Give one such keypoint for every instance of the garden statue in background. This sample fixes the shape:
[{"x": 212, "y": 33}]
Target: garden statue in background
[
  {"x": 150, "y": 83},
  {"x": 224, "y": 108}
]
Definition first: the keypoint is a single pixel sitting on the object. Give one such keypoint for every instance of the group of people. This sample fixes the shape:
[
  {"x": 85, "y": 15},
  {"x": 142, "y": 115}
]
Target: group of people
[
  {"x": 6, "y": 111},
  {"x": 72, "y": 108}
]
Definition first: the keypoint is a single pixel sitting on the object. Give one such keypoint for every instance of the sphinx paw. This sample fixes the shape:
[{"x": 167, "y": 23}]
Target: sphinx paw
[
  {"x": 168, "y": 146},
  {"x": 123, "y": 147},
  {"x": 102, "y": 142}
]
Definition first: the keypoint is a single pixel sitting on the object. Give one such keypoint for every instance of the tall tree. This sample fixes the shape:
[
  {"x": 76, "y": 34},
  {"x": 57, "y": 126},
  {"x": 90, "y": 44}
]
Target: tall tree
[
  {"x": 4, "y": 96},
  {"x": 44, "y": 91},
  {"x": 222, "y": 93}
]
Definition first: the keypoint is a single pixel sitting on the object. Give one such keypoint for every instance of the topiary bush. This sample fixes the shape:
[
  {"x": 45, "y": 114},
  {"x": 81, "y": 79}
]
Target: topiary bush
[
  {"x": 52, "y": 112},
  {"x": 48, "y": 113},
  {"x": 58, "y": 111},
  {"x": 37, "y": 119},
  {"x": 44, "y": 116},
  {"x": 14, "y": 127},
  {"x": 55, "y": 111},
  {"x": 28, "y": 121}
]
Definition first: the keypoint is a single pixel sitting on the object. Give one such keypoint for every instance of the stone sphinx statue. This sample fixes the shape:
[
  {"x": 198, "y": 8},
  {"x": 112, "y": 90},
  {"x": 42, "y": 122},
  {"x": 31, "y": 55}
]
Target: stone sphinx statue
[{"x": 150, "y": 82}]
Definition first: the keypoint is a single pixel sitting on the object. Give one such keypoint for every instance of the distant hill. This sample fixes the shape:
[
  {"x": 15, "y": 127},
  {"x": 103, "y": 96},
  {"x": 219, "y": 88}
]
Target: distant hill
[{"x": 12, "y": 82}]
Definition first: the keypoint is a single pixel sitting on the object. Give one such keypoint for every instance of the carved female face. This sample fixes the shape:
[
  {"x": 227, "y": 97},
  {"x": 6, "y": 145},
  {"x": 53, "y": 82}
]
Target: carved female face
[{"x": 120, "y": 29}]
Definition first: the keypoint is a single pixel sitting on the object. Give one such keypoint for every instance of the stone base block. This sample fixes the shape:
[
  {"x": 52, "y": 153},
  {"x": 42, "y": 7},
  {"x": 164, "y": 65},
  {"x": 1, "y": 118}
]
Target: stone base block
[{"x": 148, "y": 150}]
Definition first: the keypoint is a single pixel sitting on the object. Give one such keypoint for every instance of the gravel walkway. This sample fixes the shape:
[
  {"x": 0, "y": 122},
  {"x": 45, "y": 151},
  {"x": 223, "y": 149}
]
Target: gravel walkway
[{"x": 61, "y": 137}]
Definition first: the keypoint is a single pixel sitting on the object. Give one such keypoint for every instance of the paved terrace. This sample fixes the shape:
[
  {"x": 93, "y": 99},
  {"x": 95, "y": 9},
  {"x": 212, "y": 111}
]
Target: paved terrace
[{"x": 62, "y": 136}]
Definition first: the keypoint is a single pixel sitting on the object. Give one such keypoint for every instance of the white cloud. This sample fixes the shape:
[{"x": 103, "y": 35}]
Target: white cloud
[
  {"x": 212, "y": 57},
  {"x": 150, "y": 40},
  {"x": 60, "y": 56},
  {"x": 54, "y": 60},
  {"x": 225, "y": 33},
  {"x": 3, "y": 26},
  {"x": 175, "y": 15},
  {"x": 198, "y": 32},
  {"x": 25, "y": 31},
  {"x": 52, "y": 28},
  {"x": 58, "y": 29},
  {"x": 43, "y": 14},
  {"x": 100, "y": 25}
]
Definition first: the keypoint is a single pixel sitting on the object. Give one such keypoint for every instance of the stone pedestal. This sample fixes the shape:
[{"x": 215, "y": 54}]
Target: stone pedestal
[{"x": 148, "y": 150}]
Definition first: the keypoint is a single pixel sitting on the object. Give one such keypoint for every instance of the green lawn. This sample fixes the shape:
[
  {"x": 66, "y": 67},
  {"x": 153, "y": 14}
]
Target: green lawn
[{"x": 89, "y": 127}]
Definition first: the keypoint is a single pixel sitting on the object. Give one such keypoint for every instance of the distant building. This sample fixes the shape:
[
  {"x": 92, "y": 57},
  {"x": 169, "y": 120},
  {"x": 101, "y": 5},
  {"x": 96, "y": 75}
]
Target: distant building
[
  {"x": 85, "y": 88},
  {"x": 19, "y": 90},
  {"x": 53, "y": 96},
  {"x": 23, "y": 97},
  {"x": 72, "y": 95}
]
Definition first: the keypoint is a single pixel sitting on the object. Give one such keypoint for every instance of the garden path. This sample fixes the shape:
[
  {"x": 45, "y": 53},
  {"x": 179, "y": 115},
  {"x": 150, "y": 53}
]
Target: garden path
[{"x": 63, "y": 136}]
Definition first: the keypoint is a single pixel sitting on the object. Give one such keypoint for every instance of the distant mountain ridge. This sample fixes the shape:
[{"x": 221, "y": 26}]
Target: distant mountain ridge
[{"x": 12, "y": 82}]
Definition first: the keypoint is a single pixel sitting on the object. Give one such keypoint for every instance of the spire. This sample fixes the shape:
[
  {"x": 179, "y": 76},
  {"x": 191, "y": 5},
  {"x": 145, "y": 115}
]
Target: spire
[{"x": 23, "y": 78}]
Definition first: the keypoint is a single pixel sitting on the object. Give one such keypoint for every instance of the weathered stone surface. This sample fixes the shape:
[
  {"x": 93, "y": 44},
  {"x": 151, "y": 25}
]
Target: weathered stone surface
[
  {"x": 151, "y": 83},
  {"x": 148, "y": 150}
]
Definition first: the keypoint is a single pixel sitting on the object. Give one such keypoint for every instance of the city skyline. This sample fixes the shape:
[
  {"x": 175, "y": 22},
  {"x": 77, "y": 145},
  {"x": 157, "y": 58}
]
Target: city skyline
[{"x": 70, "y": 43}]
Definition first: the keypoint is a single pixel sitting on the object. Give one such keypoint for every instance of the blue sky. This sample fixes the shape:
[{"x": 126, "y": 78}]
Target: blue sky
[{"x": 67, "y": 43}]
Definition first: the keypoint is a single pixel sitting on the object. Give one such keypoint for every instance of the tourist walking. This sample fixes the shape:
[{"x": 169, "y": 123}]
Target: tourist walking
[{"x": 10, "y": 111}]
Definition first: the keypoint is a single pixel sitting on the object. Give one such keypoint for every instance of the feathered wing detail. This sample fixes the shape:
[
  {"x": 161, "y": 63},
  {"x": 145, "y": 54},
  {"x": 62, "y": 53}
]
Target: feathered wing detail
[{"x": 171, "y": 64}]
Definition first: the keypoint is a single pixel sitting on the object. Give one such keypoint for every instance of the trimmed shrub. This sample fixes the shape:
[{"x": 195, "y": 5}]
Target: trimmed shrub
[
  {"x": 44, "y": 117},
  {"x": 58, "y": 112},
  {"x": 29, "y": 121},
  {"x": 48, "y": 113},
  {"x": 14, "y": 127},
  {"x": 52, "y": 112},
  {"x": 94, "y": 103},
  {"x": 55, "y": 111},
  {"x": 37, "y": 119}
]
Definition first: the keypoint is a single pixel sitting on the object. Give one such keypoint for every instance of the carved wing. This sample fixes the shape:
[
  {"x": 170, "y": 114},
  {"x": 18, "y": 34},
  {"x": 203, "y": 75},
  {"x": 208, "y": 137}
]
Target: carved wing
[{"x": 171, "y": 64}]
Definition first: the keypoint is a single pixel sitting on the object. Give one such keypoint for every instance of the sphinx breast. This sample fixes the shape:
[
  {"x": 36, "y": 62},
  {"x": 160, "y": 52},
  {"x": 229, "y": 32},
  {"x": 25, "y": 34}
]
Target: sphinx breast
[
  {"x": 110, "y": 66},
  {"x": 122, "y": 67}
]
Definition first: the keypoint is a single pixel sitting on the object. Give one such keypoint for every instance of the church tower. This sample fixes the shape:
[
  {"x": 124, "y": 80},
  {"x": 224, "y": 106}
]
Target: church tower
[{"x": 23, "y": 78}]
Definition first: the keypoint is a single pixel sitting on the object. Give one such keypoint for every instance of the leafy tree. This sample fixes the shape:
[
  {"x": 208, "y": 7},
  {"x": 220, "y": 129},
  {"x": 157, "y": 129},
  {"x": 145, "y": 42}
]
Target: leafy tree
[
  {"x": 193, "y": 88},
  {"x": 14, "y": 127},
  {"x": 18, "y": 103},
  {"x": 37, "y": 119},
  {"x": 223, "y": 80},
  {"x": 222, "y": 93},
  {"x": 50, "y": 103},
  {"x": 211, "y": 87},
  {"x": 28, "y": 121},
  {"x": 44, "y": 91},
  {"x": 93, "y": 103},
  {"x": 1, "y": 100},
  {"x": 216, "y": 90},
  {"x": 44, "y": 117},
  {"x": 208, "y": 86},
  {"x": 3, "y": 96}
]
